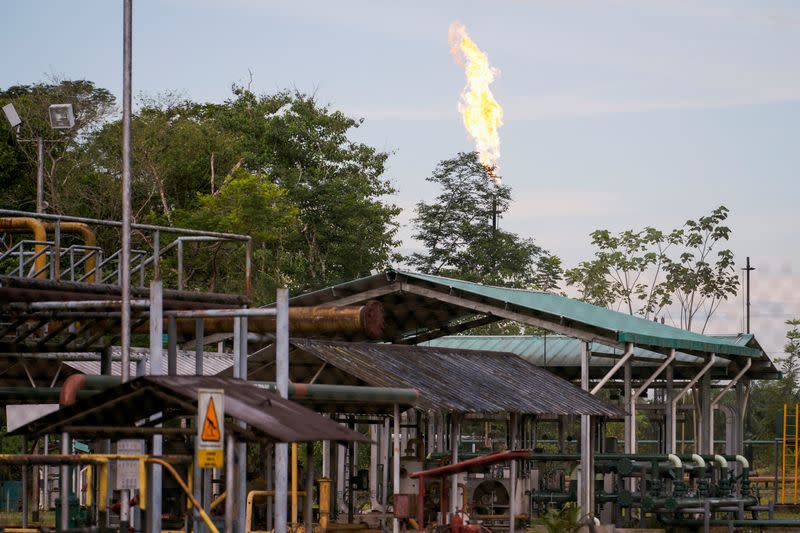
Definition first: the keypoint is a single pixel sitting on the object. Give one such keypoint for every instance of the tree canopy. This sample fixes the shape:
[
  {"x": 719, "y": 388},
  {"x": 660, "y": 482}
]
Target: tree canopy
[{"x": 460, "y": 240}]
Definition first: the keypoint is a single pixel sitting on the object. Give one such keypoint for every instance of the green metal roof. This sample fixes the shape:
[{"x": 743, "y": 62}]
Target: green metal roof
[{"x": 626, "y": 328}]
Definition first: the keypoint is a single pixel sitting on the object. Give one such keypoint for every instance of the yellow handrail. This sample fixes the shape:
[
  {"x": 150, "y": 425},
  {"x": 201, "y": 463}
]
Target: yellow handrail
[{"x": 187, "y": 490}]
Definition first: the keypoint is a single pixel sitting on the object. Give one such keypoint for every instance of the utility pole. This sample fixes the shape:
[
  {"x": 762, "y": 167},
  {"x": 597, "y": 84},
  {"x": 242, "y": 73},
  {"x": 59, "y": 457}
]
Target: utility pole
[
  {"x": 747, "y": 270},
  {"x": 39, "y": 175}
]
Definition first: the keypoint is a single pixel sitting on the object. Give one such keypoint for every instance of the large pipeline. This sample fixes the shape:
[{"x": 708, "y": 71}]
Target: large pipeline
[
  {"x": 36, "y": 227},
  {"x": 351, "y": 321}
]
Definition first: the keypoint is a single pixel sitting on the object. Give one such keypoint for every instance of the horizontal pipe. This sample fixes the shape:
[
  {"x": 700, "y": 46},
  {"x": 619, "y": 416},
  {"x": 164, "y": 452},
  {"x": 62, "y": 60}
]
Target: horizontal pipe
[
  {"x": 115, "y": 223},
  {"x": 347, "y": 321},
  {"x": 346, "y": 393},
  {"x": 74, "y": 305}
]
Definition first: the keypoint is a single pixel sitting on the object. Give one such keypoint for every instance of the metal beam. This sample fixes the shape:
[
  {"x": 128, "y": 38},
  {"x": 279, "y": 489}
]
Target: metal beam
[
  {"x": 503, "y": 312},
  {"x": 619, "y": 364}
]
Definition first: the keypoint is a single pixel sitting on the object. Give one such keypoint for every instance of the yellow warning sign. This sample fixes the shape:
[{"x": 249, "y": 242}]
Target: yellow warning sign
[
  {"x": 211, "y": 424},
  {"x": 210, "y": 458}
]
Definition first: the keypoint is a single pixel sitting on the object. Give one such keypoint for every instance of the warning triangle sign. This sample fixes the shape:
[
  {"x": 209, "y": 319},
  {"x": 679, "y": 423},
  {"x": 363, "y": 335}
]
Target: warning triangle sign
[{"x": 211, "y": 424}]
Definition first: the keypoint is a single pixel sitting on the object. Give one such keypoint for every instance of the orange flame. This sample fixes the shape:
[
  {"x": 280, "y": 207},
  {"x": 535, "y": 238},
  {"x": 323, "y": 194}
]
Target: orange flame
[{"x": 482, "y": 115}]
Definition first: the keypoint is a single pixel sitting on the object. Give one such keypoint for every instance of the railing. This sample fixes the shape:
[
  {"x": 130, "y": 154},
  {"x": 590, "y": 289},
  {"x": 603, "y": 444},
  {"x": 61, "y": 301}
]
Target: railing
[{"x": 88, "y": 263}]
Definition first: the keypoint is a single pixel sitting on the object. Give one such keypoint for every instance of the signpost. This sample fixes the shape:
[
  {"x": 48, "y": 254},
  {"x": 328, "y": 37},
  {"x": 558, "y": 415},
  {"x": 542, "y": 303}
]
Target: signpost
[{"x": 210, "y": 428}]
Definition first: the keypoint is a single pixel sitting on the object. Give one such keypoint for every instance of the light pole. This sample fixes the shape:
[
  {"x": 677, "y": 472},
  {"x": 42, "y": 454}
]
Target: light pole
[{"x": 62, "y": 117}]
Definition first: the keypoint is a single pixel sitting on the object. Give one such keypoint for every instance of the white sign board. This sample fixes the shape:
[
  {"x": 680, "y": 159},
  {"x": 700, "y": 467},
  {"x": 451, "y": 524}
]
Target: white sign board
[
  {"x": 210, "y": 428},
  {"x": 19, "y": 415},
  {"x": 128, "y": 471}
]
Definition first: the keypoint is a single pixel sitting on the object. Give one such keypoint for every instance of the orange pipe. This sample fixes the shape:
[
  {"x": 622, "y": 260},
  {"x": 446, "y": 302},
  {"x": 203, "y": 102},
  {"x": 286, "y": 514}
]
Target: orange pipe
[{"x": 37, "y": 228}]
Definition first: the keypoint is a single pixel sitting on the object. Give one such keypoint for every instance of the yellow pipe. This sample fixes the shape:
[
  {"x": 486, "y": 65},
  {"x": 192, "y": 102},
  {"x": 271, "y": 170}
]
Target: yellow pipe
[
  {"x": 102, "y": 493},
  {"x": 783, "y": 459},
  {"x": 37, "y": 228},
  {"x": 324, "y": 502},
  {"x": 142, "y": 483},
  {"x": 188, "y": 492},
  {"x": 294, "y": 483},
  {"x": 90, "y": 489},
  {"x": 218, "y": 501},
  {"x": 189, "y": 481},
  {"x": 796, "y": 420}
]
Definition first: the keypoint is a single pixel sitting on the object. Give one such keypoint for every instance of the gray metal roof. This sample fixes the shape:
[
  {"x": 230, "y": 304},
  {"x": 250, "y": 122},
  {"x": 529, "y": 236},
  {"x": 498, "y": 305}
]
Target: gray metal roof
[
  {"x": 447, "y": 379},
  {"x": 213, "y": 363},
  {"x": 563, "y": 354},
  {"x": 266, "y": 414}
]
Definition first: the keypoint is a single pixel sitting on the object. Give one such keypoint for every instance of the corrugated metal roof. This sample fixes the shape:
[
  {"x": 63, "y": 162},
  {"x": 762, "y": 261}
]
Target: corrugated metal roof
[
  {"x": 265, "y": 413},
  {"x": 627, "y": 328},
  {"x": 460, "y": 380},
  {"x": 213, "y": 363}
]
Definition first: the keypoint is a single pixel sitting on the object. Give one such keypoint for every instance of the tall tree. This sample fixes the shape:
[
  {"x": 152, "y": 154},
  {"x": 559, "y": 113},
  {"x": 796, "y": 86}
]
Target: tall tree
[
  {"x": 645, "y": 272},
  {"x": 92, "y": 105},
  {"x": 460, "y": 240}
]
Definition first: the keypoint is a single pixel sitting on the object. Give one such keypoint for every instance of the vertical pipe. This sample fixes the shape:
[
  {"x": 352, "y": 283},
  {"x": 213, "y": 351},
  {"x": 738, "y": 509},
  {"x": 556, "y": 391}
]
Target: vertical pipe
[
  {"x": 630, "y": 417},
  {"x": 706, "y": 446},
  {"x": 269, "y": 477},
  {"x": 157, "y": 255},
  {"x": 385, "y": 463},
  {"x": 24, "y": 482},
  {"x": 351, "y": 458},
  {"x": 308, "y": 518},
  {"x": 783, "y": 459},
  {"x": 670, "y": 411},
  {"x": 455, "y": 439},
  {"x": 156, "y": 369},
  {"x": 64, "y": 489},
  {"x": 241, "y": 466},
  {"x": 125, "y": 257},
  {"x": 294, "y": 485},
  {"x": 396, "y": 462},
  {"x": 796, "y": 420},
  {"x": 512, "y": 485},
  {"x": 46, "y": 476},
  {"x": 374, "y": 437},
  {"x": 180, "y": 264},
  {"x": 586, "y": 477},
  {"x": 172, "y": 346},
  {"x": 56, "y": 263},
  {"x": 282, "y": 379},
  {"x": 197, "y": 472},
  {"x": 39, "y": 175},
  {"x": 230, "y": 487}
]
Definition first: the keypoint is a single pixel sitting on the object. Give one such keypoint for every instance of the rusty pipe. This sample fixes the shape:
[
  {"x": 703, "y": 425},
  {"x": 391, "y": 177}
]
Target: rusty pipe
[
  {"x": 37, "y": 228},
  {"x": 367, "y": 320},
  {"x": 69, "y": 390}
]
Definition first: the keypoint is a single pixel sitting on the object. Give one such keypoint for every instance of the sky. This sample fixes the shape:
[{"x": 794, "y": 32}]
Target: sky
[{"x": 619, "y": 114}]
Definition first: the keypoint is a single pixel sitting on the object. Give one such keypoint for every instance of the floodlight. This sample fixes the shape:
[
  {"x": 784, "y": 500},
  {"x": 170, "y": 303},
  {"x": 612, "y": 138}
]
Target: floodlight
[
  {"x": 11, "y": 115},
  {"x": 61, "y": 116}
]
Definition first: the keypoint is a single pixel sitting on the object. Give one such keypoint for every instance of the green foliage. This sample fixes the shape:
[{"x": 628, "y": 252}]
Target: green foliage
[
  {"x": 92, "y": 105},
  {"x": 767, "y": 398},
  {"x": 459, "y": 240},
  {"x": 251, "y": 205},
  {"x": 281, "y": 167},
  {"x": 568, "y": 519},
  {"x": 643, "y": 272}
]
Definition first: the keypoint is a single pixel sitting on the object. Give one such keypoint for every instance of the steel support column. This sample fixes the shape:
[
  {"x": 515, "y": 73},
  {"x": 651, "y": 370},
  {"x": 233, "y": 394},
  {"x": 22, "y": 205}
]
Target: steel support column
[
  {"x": 630, "y": 415},
  {"x": 742, "y": 392},
  {"x": 716, "y": 401},
  {"x": 586, "y": 478},
  {"x": 706, "y": 446},
  {"x": 455, "y": 439},
  {"x": 669, "y": 416},
  {"x": 396, "y": 461},
  {"x": 638, "y": 392},
  {"x": 156, "y": 369},
  {"x": 676, "y": 399},
  {"x": 512, "y": 485},
  {"x": 282, "y": 380}
]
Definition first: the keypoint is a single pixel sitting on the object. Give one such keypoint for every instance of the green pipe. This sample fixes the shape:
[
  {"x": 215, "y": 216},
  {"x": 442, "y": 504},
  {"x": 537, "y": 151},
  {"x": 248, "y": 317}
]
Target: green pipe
[
  {"x": 39, "y": 394},
  {"x": 348, "y": 393}
]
